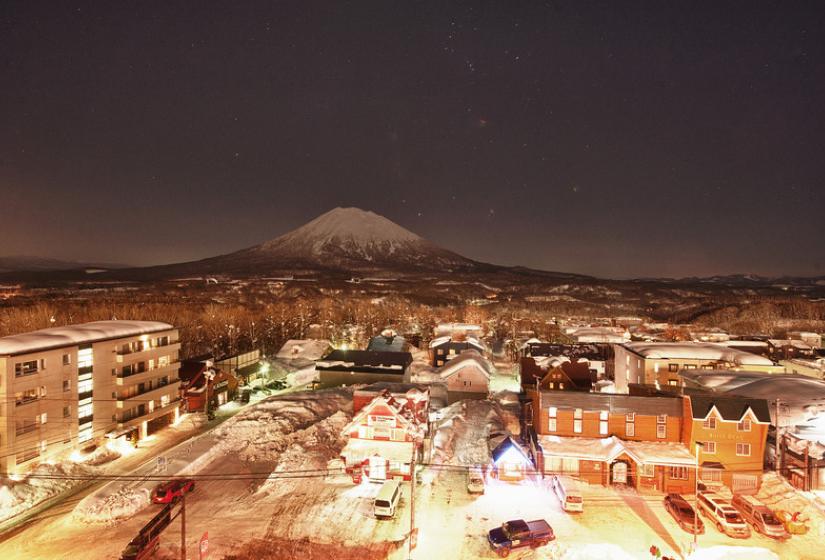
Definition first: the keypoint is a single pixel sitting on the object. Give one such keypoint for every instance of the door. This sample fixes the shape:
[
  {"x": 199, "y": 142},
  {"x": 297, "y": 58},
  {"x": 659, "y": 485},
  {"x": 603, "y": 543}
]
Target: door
[
  {"x": 378, "y": 468},
  {"x": 619, "y": 473}
]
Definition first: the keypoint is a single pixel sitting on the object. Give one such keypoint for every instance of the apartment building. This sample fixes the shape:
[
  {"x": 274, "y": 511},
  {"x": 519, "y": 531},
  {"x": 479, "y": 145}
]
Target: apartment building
[
  {"x": 68, "y": 388},
  {"x": 659, "y": 363}
]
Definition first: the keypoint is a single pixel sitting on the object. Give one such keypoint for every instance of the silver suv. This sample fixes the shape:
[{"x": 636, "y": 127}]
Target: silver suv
[
  {"x": 759, "y": 516},
  {"x": 722, "y": 514}
]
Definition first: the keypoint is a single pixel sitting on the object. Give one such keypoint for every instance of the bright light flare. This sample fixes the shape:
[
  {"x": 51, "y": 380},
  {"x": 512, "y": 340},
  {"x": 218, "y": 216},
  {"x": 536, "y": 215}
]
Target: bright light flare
[{"x": 121, "y": 446}]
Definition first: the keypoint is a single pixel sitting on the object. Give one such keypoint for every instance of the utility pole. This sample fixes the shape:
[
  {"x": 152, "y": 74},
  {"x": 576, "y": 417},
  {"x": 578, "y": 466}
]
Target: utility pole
[
  {"x": 183, "y": 526},
  {"x": 699, "y": 444},
  {"x": 412, "y": 502},
  {"x": 777, "y": 445}
]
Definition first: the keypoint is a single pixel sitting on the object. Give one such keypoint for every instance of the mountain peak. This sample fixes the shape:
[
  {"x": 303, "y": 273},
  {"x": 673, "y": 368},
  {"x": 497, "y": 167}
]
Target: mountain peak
[{"x": 347, "y": 226}]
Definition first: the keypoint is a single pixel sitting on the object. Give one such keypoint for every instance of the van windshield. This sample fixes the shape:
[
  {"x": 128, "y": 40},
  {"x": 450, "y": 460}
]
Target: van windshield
[
  {"x": 382, "y": 503},
  {"x": 732, "y": 517},
  {"x": 574, "y": 499}
]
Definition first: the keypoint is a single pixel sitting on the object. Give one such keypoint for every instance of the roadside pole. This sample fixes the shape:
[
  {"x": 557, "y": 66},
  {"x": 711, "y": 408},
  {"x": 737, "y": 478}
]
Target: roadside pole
[
  {"x": 183, "y": 526},
  {"x": 410, "y": 544}
]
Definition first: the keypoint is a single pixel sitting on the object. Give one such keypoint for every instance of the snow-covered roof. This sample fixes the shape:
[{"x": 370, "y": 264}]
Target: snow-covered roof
[
  {"x": 659, "y": 452},
  {"x": 607, "y": 449},
  {"x": 592, "y": 449},
  {"x": 789, "y": 342},
  {"x": 468, "y": 357},
  {"x": 358, "y": 449},
  {"x": 309, "y": 349},
  {"x": 72, "y": 335},
  {"x": 696, "y": 351}
]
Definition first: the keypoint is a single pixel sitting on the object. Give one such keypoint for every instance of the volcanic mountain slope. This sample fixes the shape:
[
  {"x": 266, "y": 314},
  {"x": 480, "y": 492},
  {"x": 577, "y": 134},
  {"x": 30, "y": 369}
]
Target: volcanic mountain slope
[{"x": 343, "y": 239}]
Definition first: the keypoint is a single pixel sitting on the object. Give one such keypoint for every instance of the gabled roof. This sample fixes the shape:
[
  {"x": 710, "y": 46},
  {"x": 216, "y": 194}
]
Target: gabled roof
[
  {"x": 467, "y": 358},
  {"x": 405, "y": 415},
  {"x": 732, "y": 409},
  {"x": 505, "y": 446}
]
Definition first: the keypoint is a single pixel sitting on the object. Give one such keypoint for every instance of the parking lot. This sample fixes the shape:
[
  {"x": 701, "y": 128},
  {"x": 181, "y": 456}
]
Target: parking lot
[{"x": 453, "y": 523}]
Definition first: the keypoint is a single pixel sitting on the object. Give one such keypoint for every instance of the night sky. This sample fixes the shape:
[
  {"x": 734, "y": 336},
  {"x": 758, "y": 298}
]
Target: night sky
[{"x": 621, "y": 139}]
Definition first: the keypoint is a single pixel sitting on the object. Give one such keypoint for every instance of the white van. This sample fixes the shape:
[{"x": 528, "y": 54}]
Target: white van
[
  {"x": 569, "y": 493},
  {"x": 387, "y": 499},
  {"x": 723, "y": 515}
]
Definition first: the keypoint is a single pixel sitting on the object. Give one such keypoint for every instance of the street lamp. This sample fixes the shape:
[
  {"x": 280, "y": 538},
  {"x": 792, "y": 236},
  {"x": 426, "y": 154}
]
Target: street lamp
[{"x": 699, "y": 444}]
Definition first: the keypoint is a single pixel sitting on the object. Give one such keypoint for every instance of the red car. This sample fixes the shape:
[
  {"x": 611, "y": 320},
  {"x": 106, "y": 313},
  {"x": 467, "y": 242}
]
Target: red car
[{"x": 169, "y": 491}]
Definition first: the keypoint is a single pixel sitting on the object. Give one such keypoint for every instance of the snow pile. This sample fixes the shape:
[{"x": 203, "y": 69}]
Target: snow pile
[
  {"x": 44, "y": 482},
  {"x": 310, "y": 449},
  {"x": 733, "y": 553},
  {"x": 101, "y": 455},
  {"x": 778, "y": 494},
  {"x": 123, "y": 504},
  {"x": 602, "y": 551},
  {"x": 461, "y": 437},
  {"x": 264, "y": 431}
]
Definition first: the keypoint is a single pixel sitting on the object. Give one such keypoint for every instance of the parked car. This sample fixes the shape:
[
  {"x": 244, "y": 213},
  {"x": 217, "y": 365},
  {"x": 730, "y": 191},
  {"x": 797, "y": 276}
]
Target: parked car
[
  {"x": 169, "y": 491},
  {"x": 475, "y": 480},
  {"x": 386, "y": 501},
  {"x": 569, "y": 493},
  {"x": 793, "y": 522},
  {"x": 519, "y": 533},
  {"x": 759, "y": 516},
  {"x": 723, "y": 515},
  {"x": 684, "y": 515}
]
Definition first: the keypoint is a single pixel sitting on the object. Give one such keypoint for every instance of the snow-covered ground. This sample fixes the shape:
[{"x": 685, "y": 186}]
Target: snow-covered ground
[{"x": 264, "y": 492}]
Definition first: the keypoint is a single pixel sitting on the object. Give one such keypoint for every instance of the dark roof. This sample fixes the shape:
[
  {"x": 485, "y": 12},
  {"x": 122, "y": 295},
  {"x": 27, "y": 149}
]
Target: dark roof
[
  {"x": 392, "y": 387},
  {"x": 365, "y": 361},
  {"x": 730, "y": 408},
  {"x": 383, "y": 343},
  {"x": 189, "y": 369},
  {"x": 599, "y": 352},
  {"x": 617, "y": 404},
  {"x": 504, "y": 445}
]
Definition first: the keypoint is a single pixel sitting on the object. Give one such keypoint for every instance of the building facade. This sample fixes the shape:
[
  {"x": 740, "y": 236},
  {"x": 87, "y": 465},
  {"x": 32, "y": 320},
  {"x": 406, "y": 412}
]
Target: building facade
[
  {"x": 385, "y": 435},
  {"x": 659, "y": 363},
  {"x": 68, "y": 388}
]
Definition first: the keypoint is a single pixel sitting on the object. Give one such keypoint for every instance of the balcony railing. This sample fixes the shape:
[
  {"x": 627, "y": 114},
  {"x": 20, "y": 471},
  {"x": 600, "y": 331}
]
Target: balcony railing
[
  {"x": 25, "y": 372},
  {"x": 25, "y": 400}
]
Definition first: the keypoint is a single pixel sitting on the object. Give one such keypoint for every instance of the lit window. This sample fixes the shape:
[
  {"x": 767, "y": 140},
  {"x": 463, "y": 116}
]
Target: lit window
[
  {"x": 603, "y": 422},
  {"x": 709, "y": 423},
  {"x": 551, "y": 413},
  {"x": 673, "y": 367},
  {"x": 709, "y": 447},
  {"x": 648, "y": 470},
  {"x": 743, "y": 449},
  {"x": 577, "y": 421},
  {"x": 744, "y": 425},
  {"x": 661, "y": 431}
]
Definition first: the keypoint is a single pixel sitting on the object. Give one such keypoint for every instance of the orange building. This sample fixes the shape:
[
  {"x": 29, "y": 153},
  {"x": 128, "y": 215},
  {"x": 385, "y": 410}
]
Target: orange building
[
  {"x": 732, "y": 432},
  {"x": 613, "y": 439}
]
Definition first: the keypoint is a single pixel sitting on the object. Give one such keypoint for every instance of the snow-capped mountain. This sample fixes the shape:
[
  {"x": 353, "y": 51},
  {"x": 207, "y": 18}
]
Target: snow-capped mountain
[
  {"x": 351, "y": 237},
  {"x": 344, "y": 239}
]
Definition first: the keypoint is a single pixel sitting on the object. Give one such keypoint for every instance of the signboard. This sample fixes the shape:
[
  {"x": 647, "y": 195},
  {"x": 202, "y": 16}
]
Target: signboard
[{"x": 203, "y": 547}]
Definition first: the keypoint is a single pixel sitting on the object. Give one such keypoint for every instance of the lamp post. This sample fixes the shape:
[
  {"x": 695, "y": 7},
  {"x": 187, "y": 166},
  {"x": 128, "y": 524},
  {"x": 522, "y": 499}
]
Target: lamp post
[{"x": 699, "y": 444}]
